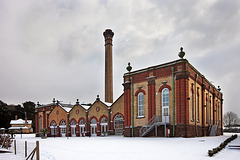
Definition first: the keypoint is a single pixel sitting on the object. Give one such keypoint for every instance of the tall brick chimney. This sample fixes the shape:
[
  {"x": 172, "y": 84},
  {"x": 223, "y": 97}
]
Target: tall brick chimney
[
  {"x": 26, "y": 118},
  {"x": 108, "y": 35}
]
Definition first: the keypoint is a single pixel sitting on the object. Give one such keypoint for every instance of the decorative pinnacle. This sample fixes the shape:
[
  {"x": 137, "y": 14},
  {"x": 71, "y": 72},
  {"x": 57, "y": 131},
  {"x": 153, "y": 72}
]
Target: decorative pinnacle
[
  {"x": 98, "y": 99},
  {"x": 129, "y": 68},
  {"x": 108, "y": 33},
  {"x": 181, "y": 54}
]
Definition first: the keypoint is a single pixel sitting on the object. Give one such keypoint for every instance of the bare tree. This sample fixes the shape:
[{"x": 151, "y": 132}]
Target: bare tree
[{"x": 230, "y": 119}]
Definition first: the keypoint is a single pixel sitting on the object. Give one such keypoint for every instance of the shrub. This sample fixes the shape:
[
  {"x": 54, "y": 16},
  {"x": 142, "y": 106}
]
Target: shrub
[{"x": 221, "y": 146}]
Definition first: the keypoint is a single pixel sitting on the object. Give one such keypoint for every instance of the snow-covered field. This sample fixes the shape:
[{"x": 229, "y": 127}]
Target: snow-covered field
[{"x": 122, "y": 148}]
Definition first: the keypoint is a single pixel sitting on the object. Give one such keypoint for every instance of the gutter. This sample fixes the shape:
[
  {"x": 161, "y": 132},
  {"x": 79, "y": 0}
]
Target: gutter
[
  {"x": 195, "y": 98},
  {"x": 131, "y": 78},
  {"x": 173, "y": 85}
]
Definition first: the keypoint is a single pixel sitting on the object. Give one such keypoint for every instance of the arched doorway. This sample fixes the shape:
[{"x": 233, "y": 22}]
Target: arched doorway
[
  {"x": 104, "y": 126},
  {"x": 93, "y": 126},
  {"x": 82, "y": 128},
  {"x": 63, "y": 128},
  {"x": 53, "y": 127},
  {"x": 73, "y": 128},
  {"x": 118, "y": 124}
]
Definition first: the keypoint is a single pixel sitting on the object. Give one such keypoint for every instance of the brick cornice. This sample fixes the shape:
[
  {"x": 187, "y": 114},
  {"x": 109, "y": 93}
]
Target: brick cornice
[
  {"x": 151, "y": 80},
  {"x": 182, "y": 75}
]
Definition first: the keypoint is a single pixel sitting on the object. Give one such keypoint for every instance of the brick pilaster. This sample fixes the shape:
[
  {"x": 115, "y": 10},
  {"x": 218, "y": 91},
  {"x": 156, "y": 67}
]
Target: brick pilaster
[
  {"x": 127, "y": 104},
  {"x": 151, "y": 96},
  {"x": 203, "y": 106},
  {"x": 36, "y": 122},
  {"x": 182, "y": 94},
  {"x": 77, "y": 130}
]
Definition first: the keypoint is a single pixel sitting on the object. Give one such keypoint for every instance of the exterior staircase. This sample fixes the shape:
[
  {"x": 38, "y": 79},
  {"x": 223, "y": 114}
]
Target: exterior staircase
[
  {"x": 156, "y": 120},
  {"x": 213, "y": 129}
]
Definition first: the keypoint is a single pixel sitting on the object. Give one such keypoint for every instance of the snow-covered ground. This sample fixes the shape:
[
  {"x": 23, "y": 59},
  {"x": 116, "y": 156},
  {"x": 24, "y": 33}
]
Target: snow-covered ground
[{"x": 122, "y": 148}]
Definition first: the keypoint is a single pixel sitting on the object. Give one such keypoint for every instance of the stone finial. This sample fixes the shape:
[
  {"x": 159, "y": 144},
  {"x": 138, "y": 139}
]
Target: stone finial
[
  {"x": 129, "y": 68},
  {"x": 77, "y": 101},
  {"x": 98, "y": 99},
  {"x": 54, "y": 100},
  {"x": 181, "y": 54}
]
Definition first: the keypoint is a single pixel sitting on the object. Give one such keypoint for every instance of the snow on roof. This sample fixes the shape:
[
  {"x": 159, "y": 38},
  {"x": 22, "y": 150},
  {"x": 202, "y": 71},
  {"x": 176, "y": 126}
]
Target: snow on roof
[
  {"x": 20, "y": 121},
  {"x": 108, "y": 104},
  {"x": 25, "y": 127},
  {"x": 44, "y": 105},
  {"x": 67, "y": 109},
  {"x": 85, "y": 106},
  {"x": 51, "y": 104}
]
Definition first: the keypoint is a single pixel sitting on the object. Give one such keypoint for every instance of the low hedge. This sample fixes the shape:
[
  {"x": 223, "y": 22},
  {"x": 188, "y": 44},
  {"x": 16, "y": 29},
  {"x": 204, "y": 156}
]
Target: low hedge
[{"x": 221, "y": 146}]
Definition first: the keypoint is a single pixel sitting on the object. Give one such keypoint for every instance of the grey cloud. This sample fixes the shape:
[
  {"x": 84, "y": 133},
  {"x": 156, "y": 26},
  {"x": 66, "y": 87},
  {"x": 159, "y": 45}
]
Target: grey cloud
[{"x": 56, "y": 48}]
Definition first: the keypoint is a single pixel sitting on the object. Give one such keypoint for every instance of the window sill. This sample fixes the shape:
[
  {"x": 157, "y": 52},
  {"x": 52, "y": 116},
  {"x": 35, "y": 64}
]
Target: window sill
[{"x": 139, "y": 117}]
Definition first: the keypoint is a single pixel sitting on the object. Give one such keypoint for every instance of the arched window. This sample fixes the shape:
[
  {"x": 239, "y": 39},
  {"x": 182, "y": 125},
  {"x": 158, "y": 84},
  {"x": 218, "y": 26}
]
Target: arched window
[
  {"x": 40, "y": 122},
  {"x": 210, "y": 112},
  {"x": 197, "y": 100},
  {"x": 207, "y": 114},
  {"x": 118, "y": 124},
  {"x": 93, "y": 121},
  {"x": 73, "y": 122},
  {"x": 62, "y": 123},
  {"x": 82, "y": 122},
  {"x": 192, "y": 114},
  {"x": 165, "y": 102},
  {"x": 140, "y": 105},
  {"x": 104, "y": 120},
  {"x": 53, "y": 123}
]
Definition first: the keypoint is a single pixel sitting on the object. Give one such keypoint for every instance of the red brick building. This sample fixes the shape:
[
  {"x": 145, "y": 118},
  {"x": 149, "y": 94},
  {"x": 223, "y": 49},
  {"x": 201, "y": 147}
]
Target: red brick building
[
  {"x": 170, "y": 99},
  {"x": 98, "y": 119}
]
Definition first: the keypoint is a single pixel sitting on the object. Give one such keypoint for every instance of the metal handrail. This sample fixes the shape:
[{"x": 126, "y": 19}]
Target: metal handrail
[{"x": 152, "y": 122}]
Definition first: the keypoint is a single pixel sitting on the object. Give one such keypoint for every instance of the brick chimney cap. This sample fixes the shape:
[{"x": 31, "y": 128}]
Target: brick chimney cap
[{"x": 108, "y": 33}]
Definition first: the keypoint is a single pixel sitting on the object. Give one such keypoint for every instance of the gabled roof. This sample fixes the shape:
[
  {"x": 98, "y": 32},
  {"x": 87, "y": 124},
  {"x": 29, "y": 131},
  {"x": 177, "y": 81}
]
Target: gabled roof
[
  {"x": 66, "y": 107},
  {"x": 51, "y": 104},
  {"x": 117, "y": 99},
  {"x": 98, "y": 100},
  {"x": 20, "y": 121}
]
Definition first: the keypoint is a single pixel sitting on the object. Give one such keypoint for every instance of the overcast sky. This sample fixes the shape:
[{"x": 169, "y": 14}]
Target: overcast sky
[{"x": 55, "y": 48}]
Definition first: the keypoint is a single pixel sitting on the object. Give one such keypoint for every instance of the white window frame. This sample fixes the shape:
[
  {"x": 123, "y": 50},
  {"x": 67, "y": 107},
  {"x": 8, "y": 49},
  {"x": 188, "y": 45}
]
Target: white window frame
[
  {"x": 53, "y": 128},
  {"x": 140, "y": 104},
  {"x": 197, "y": 100},
  {"x": 73, "y": 128},
  {"x": 104, "y": 126},
  {"x": 63, "y": 128},
  {"x": 165, "y": 101},
  {"x": 41, "y": 123},
  {"x": 93, "y": 127},
  {"x": 118, "y": 121}
]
